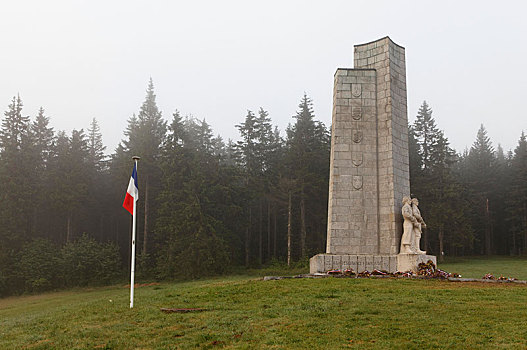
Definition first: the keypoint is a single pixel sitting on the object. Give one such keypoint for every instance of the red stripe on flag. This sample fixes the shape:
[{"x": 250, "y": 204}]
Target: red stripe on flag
[{"x": 128, "y": 203}]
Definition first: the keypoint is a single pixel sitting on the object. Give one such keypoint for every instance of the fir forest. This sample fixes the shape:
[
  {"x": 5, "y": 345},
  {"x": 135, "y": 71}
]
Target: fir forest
[{"x": 208, "y": 205}]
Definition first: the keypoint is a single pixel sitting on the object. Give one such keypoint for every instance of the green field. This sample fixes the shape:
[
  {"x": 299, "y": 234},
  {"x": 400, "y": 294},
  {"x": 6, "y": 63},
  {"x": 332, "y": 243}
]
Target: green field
[
  {"x": 477, "y": 267},
  {"x": 246, "y": 312}
]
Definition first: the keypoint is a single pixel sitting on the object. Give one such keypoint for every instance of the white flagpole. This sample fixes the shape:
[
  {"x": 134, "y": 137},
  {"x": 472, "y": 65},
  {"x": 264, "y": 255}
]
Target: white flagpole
[{"x": 132, "y": 269}]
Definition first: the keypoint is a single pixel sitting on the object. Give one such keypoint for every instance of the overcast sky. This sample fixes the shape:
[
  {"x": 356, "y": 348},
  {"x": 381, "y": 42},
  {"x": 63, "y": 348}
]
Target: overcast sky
[{"x": 216, "y": 59}]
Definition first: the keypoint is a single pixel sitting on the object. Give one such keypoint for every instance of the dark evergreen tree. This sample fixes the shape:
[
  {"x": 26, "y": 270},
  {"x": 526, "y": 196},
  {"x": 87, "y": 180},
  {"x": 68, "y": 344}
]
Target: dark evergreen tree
[
  {"x": 516, "y": 202},
  {"x": 43, "y": 138},
  {"x": 100, "y": 204},
  {"x": 16, "y": 175},
  {"x": 17, "y": 178},
  {"x": 308, "y": 160},
  {"x": 481, "y": 182},
  {"x": 426, "y": 134},
  {"x": 501, "y": 240},
  {"x": 415, "y": 161},
  {"x": 432, "y": 178},
  {"x": 247, "y": 158},
  {"x": 145, "y": 136},
  {"x": 69, "y": 180},
  {"x": 191, "y": 226},
  {"x": 96, "y": 147}
]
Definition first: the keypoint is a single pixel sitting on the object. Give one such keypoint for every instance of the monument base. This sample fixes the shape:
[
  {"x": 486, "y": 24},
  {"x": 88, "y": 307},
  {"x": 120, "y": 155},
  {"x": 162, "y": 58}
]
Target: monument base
[
  {"x": 322, "y": 263},
  {"x": 410, "y": 262}
]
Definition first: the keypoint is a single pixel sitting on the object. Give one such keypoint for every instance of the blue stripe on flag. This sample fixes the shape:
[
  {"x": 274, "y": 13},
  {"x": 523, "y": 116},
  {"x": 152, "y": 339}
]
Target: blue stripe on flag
[{"x": 134, "y": 175}]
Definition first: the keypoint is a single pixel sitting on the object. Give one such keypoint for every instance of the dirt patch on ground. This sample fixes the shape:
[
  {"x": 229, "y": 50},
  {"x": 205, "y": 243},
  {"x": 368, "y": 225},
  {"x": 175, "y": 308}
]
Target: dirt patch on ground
[
  {"x": 472, "y": 285},
  {"x": 37, "y": 344},
  {"x": 137, "y": 285}
]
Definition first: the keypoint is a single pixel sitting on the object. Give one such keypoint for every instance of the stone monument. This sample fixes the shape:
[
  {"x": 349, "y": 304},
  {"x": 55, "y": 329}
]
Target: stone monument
[{"x": 369, "y": 172}]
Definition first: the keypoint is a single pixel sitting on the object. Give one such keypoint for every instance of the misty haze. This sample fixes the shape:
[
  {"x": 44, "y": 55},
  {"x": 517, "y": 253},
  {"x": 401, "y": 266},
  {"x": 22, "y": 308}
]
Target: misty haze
[{"x": 175, "y": 153}]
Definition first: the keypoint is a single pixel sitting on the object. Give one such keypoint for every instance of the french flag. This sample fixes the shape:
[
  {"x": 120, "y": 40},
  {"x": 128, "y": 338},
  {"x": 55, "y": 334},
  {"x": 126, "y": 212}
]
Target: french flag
[{"x": 132, "y": 193}]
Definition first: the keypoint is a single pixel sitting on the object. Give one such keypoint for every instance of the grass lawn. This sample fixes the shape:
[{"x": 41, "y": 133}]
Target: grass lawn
[
  {"x": 477, "y": 267},
  {"x": 248, "y": 313}
]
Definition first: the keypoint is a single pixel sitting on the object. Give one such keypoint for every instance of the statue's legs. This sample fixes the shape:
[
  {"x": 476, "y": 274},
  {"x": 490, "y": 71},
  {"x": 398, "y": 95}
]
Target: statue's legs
[
  {"x": 406, "y": 239},
  {"x": 417, "y": 239}
]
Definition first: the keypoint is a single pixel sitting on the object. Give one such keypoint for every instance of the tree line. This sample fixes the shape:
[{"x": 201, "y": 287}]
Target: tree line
[
  {"x": 206, "y": 204},
  {"x": 475, "y": 202}
]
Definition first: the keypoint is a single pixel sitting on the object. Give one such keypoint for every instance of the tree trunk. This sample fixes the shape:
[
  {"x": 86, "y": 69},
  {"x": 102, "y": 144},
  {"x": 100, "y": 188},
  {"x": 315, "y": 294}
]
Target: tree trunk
[
  {"x": 441, "y": 236},
  {"x": 145, "y": 231},
  {"x": 68, "y": 229},
  {"x": 525, "y": 225},
  {"x": 117, "y": 231},
  {"x": 248, "y": 240},
  {"x": 101, "y": 228},
  {"x": 302, "y": 223},
  {"x": 274, "y": 232},
  {"x": 35, "y": 221},
  {"x": 513, "y": 252},
  {"x": 260, "y": 234},
  {"x": 487, "y": 229},
  {"x": 289, "y": 217},
  {"x": 268, "y": 229}
]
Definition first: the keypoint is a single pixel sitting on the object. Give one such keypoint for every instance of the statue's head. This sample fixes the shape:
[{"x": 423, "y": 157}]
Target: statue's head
[
  {"x": 406, "y": 199},
  {"x": 415, "y": 201}
]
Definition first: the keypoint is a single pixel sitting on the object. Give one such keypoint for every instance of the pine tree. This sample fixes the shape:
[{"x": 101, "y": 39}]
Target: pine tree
[
  {"x": 100, "y": 203},
  {"x": 257, "y": 154},
  {"x": 482, "y": 180},
  {"x": 425, "y": 131},
  {"x": 308, "y": 161},
  {"x": 501, "y": 232},
  {"x": 146, "y": 134},
  {"x": 14, "y": 127},
  {"x": 416, "y": 162},
  {"x": 247, "y": 157},
  {"x": 16, "y": 174},
  {"x": 264, "y": 138},
  {"x": 194, "y": 198},
  {"x": 441, "y": 196},
  {"x": 43, "y": 138},
  {"x": 96, "y": 147},
  {"x": 447, "y": 206},
  {"x": 517, "y": 197}
]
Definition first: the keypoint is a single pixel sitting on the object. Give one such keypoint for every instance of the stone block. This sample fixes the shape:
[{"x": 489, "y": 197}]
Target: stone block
[
  {"x": 393, "y": 263},
  {"x": 369, "y": 263},
  {"x": 385, "y": 263},
  {"x": 361, "y": 263},
  {"x": 410, "y": 262},
  {"x": 322, "y": 263},
  {"x": 353, "y": 262},
  {"x": 327, "y": 262},
  {"x": 345, "y": 262}
]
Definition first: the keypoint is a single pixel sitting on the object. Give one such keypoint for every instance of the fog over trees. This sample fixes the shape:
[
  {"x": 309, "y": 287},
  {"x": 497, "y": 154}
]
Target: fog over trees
[{"x": 207, "y": 204}]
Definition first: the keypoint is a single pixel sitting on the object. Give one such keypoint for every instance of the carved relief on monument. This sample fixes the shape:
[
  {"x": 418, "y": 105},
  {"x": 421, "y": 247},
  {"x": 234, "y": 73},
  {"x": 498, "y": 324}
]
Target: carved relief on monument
[
  {"x": 356, "y": 90},
  {"x": 357, "y": 136},
  {"x": 356, "y": 159},
  {"x": 356, "y": 113},
  {"x": 388, "y": 106},
  {"x": 357, "y": 182}
]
